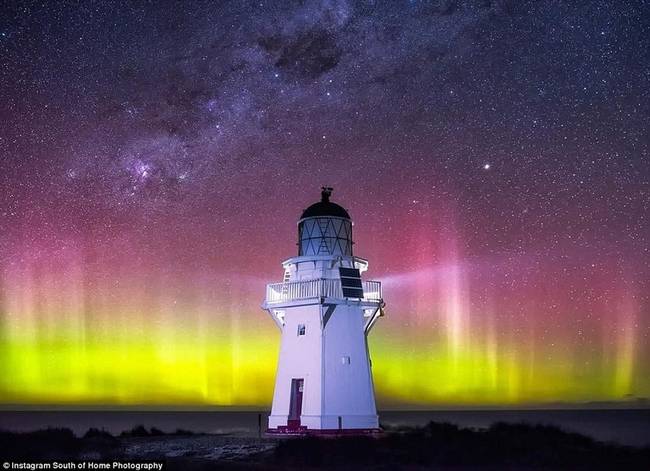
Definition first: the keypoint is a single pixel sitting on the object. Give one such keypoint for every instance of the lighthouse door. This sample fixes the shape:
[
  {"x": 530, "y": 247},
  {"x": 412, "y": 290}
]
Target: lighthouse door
[{"x": 295, "y": 405}]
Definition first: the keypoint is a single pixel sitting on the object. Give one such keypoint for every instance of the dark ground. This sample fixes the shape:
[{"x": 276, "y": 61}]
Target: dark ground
[{"x": 435, "y": 446}]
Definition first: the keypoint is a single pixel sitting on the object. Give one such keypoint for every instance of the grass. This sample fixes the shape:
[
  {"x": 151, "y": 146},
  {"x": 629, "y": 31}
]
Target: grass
[{"x": 434, "y": 446}]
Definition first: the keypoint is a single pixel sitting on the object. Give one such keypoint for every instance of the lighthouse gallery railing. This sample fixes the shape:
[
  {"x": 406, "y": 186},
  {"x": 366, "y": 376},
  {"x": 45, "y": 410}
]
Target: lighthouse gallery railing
[{"x": 323, "y": 287}]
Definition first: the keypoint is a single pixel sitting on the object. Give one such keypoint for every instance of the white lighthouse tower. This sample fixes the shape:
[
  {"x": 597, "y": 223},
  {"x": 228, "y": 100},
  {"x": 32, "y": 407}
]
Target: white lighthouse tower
[{"x": 325, "y": 312}]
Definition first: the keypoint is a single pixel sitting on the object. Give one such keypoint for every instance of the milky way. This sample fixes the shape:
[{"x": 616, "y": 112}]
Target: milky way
[{"x": 493, "y": 156}]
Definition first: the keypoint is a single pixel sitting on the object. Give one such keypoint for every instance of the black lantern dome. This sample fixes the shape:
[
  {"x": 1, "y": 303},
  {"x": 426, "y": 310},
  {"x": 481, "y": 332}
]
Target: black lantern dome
[
  {"x": 325, "y": 207},
  {"x": 325, "y": 228}
]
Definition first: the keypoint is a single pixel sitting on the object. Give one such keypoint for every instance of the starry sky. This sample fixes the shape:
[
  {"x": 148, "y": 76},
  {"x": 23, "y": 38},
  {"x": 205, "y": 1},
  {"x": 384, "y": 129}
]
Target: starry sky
[{"x": 155, "y": 158}]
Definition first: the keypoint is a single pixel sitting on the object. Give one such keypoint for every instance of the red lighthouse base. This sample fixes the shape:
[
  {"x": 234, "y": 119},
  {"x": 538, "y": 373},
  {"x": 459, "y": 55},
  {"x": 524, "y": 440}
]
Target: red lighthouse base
[{"x": 303, "y": 431}]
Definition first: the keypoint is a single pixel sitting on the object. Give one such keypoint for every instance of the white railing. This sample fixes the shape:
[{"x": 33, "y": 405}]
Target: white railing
[{"x": 322, "y": 287}]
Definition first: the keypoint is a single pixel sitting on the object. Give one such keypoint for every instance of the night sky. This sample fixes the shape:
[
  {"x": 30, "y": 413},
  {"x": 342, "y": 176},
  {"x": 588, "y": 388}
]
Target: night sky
[{"x": 155, "y": 158}]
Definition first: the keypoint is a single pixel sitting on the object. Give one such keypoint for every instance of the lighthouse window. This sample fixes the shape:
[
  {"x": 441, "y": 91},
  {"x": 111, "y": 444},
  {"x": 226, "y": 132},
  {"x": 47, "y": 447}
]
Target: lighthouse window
[{"x": 301, "y": 329}]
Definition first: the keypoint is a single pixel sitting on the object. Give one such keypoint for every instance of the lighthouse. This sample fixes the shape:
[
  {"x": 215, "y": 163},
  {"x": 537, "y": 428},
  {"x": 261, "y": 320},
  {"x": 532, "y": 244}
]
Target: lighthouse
[{"x": 325, "y": 311}]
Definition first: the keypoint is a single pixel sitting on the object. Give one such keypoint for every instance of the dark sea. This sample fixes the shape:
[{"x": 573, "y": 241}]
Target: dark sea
[{"x": 624, "y": 426}]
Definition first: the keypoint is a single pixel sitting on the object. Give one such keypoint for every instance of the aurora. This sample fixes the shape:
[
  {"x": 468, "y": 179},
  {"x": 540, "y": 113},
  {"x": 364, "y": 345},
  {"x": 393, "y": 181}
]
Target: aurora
[{"x": 493, "y": 156}]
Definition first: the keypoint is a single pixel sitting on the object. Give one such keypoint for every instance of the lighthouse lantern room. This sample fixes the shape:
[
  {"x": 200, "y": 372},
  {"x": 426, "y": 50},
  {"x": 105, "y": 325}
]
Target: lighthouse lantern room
[{"x": 325, "y": 312}]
